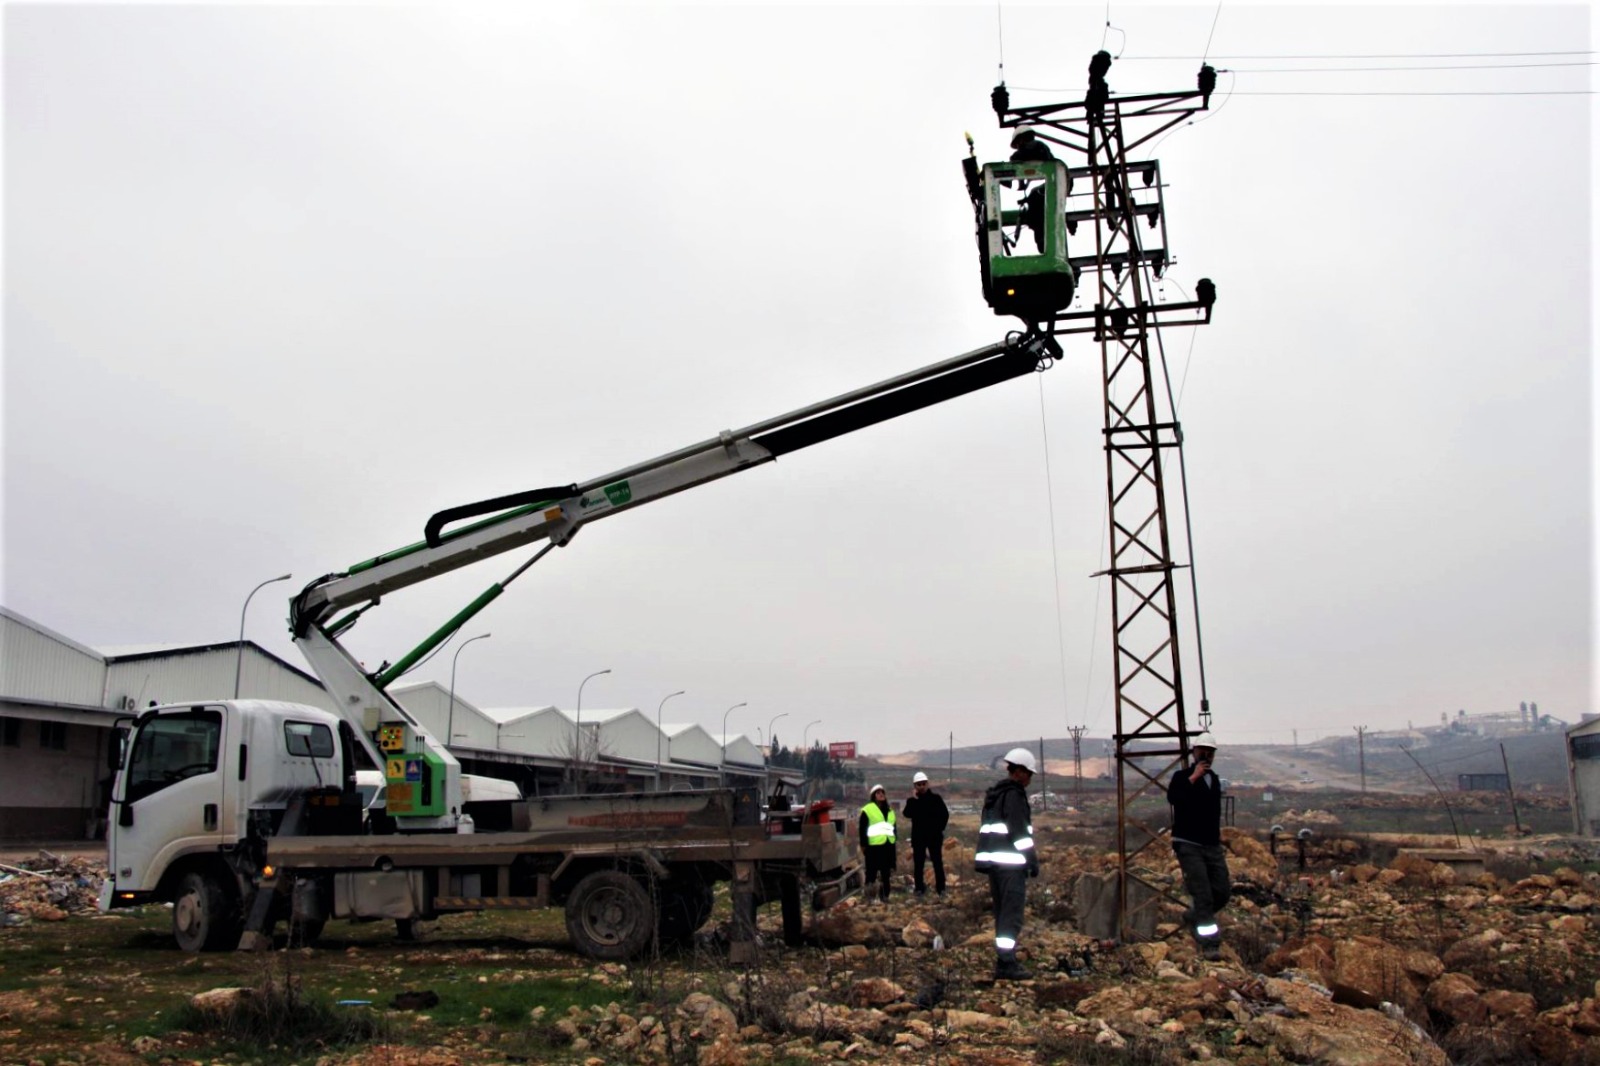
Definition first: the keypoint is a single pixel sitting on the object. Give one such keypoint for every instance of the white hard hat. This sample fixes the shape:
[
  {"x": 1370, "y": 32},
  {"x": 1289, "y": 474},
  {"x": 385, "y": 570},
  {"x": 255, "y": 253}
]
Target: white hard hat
[
  {"x": 875, "y": 788},
  {"x": 1024, "y": 758},
  {"x": 918, "y": 776},
  {"x": 1022, "y": 133},
  {"x": 1204, "y": 740}
]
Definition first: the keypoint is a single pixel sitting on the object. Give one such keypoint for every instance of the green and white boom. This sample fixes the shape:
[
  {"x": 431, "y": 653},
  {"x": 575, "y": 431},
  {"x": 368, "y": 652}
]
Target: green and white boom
[{"x": 424, "y": 779}]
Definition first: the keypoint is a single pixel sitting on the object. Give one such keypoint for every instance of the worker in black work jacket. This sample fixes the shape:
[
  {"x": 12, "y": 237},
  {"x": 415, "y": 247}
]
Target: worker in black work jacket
[
  {"x": 877, "y": 840},
  {"x": 1006, "y": 853},
  {"x": 1195, "y": 794},
  {"x": 928, "y": 815}
]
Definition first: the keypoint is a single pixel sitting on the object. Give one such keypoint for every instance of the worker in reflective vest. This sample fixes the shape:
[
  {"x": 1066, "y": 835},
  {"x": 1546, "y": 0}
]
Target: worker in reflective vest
[
  {"x": 877, "y": 840},
  {"x": 1006, "y": 853}
]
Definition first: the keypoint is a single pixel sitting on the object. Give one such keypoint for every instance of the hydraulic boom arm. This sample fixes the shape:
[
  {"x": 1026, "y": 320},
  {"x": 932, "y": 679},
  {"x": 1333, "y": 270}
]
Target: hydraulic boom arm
[{"x": 458, "y": 536}]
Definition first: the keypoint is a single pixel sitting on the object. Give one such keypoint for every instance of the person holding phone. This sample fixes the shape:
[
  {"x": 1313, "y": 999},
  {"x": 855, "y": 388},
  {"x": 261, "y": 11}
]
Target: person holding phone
[{"x": 1195, "y": 795}]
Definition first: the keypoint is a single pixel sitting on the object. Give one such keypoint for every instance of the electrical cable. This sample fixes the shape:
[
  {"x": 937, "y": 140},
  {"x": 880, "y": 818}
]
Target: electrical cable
[
  {"x": 1188, "y": 535},
  {"x": 1055, "y": 558},
  {"x": 1452, "y": 66},
  {"x": 1213, "y": 32},
  {"x": 1514, "y": 92},
  {"x": 1380, "y": 55}
]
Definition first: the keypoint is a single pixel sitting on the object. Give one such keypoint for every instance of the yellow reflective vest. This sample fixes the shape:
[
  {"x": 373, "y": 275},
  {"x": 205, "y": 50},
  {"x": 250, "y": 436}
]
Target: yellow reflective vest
[{"x": 880, "y": 826}]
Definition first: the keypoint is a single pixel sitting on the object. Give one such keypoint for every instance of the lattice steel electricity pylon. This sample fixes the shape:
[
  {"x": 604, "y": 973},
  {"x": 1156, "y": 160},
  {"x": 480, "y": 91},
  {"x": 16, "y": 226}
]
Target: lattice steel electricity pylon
[{"x": 1121, "y": 210}]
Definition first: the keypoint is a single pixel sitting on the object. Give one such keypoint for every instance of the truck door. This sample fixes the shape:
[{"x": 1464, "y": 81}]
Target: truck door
[{"x": 170, "y": 794}]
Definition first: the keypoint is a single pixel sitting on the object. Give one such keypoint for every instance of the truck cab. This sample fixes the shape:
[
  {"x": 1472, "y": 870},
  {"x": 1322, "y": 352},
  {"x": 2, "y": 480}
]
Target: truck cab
[{"x": 199, "y": 785}]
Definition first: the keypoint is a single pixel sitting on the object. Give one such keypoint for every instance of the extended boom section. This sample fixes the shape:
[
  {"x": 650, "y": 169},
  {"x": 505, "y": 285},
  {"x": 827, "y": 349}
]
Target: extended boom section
[{"x": 418, "y": 767}]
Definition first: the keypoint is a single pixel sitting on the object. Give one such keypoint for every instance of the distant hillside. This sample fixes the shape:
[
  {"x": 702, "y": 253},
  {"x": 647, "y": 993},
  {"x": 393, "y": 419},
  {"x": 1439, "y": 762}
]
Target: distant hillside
[
  {"x": 1057, "y": 755},
  {"x": 1536, "y": 759}
]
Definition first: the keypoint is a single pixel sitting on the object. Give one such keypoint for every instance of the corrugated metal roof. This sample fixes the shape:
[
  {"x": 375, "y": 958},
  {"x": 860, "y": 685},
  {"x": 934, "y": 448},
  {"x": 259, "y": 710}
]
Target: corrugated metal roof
[{"x": 37, "y": 663}]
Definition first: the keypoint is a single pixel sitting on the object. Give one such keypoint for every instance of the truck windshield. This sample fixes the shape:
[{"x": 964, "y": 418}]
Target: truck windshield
[{"x": 172, "y": 748}]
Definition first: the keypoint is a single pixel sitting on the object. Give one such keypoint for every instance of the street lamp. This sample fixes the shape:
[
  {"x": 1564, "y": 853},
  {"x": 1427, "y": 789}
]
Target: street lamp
[
  {"x": 577, "y": 727},
  {"x": 238, "y": 666},
  {"x": 660, "y": 705},
  {"x": 724, "y": 768},
  {"x": 450, "y": 722},
  {"x": 805, "y": 743},
  {"x": 770, "y": 724}
]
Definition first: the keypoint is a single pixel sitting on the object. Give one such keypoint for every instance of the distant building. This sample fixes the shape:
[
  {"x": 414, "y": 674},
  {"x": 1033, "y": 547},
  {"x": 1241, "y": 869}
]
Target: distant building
[
  {"x": 59, "y": 702},
  {"x": 1583, "y": 768}
]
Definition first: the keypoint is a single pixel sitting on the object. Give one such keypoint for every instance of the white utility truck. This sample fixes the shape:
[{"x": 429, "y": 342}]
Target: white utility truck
[{"x": 246, "y": 813}]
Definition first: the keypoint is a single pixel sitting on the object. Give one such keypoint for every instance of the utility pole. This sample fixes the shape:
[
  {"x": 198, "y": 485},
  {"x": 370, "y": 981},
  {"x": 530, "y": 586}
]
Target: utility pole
[
  {"x": 1115, "y": 212},
  {"x": 1077, "y": 732},
  {"x": 1511, "y": 794},
  {"x": 1044, "y": 792},
  {"x": 1361, "y": 744},
  {"x": 950, "y": 773}
]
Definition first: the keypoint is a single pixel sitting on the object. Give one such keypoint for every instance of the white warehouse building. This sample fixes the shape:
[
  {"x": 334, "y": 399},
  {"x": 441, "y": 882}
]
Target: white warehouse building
[{"x": 60, "y": 701}]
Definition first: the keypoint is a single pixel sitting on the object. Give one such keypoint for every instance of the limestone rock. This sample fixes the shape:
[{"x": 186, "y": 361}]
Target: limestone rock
[
  {"x": 1455, "y": 995},
  {"x": 1476, "y": 948},
  {"x": 219, "y": 1000},
  {"x": 711, "y": 1018},
  {"x": 875, "y": 992},
  {"x": 918, "y": 934},
  {"x": 1503, "y": 1004}
]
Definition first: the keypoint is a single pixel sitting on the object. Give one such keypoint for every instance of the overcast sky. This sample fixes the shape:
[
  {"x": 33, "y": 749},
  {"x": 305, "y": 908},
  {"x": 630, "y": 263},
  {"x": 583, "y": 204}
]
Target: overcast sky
[{"x": 280, "y": 282}]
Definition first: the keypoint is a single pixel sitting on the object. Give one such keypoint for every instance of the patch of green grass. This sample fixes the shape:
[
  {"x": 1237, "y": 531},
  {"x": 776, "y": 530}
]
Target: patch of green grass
[{"x": 464, "y": 999}]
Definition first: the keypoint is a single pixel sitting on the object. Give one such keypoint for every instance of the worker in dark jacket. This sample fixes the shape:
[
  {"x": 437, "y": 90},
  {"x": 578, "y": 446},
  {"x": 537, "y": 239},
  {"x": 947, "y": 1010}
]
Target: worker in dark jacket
[
  {"x": 1006, "y": 853},
  {"x": 928, "y": 816},
  {"x": 1027, "y": 147},
  {"x": 877, "y": 840},
  {"x": 1195, "y": 794}
]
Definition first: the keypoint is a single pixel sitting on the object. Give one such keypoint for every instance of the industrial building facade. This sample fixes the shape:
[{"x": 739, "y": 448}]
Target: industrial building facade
[
  {"x": 61, "y": 701},
  {"x": 1583, "y": 766}
]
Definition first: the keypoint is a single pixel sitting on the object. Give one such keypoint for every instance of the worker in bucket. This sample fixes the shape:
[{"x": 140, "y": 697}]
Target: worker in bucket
[
  {"x": 1006, "y": 853},
  {"x": 876, "y": 827},
  {"x": 1195, "y": 794}
]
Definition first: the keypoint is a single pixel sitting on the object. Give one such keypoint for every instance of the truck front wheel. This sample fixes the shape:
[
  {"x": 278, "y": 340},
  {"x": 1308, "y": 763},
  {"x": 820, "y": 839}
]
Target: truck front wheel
[
  {"x": 205, "y": 916},
  {"x": 610, "y": 916}
]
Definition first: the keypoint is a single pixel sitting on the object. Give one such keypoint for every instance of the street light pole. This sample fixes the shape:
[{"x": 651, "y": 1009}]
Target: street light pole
[
  {"x": 577, "y": 729},
  {"x": 660, "y": 705},
  {"x": 724, "y": 768},
  {"x": 238, "y": 665},
  {"x": 770, "y": 724},
  {"x": 450, "y": 722},
  {"x": 805, "y": 742}
]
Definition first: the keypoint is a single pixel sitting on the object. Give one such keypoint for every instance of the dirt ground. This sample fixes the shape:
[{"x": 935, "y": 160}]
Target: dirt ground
[{"x": 875, "y": 986}]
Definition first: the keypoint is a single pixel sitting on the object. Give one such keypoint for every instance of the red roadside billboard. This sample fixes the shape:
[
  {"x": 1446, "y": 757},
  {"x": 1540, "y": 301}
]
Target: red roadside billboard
[{"x": 843, "y": 749}]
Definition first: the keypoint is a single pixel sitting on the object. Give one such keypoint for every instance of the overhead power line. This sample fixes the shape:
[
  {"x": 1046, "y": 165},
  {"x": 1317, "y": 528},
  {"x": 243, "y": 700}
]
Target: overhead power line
[
  {"x": 1509, "y": 92},
  {"x": 1452, "y": 66},
  {"x": 1373, "y": 55}
]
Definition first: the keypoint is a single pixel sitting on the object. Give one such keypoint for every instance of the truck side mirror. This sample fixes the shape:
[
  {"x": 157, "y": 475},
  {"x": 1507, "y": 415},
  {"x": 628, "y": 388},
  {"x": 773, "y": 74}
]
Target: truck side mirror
[
  {"x": 117, "y": 750},
  {"x": 125, "y": 817}
]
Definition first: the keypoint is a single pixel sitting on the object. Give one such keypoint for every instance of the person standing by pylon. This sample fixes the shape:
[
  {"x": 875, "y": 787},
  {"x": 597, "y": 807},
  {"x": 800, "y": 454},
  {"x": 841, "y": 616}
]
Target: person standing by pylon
[
  {"x": 1006, "y": 853},
  {"x": 1196, "y": 798}
]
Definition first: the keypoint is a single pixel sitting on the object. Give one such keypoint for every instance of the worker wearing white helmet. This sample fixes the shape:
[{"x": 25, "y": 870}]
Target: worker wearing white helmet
[
  {"x": 926, "y": 811},
  {"x": 876, "y": 827},
  {"x": 1195, "y": 794},
  {"x": 1006, "y": 853}
]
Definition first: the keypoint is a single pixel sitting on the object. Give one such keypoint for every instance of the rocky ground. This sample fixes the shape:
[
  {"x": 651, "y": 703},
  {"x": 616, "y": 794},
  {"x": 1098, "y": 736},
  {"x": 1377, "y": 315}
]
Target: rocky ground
[{"x": 1363, "y": 959}]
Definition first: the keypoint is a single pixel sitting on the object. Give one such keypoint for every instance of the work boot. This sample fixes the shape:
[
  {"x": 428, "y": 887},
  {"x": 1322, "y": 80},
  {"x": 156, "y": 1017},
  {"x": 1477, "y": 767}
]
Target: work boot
[{"x": 1009, "y": 969}]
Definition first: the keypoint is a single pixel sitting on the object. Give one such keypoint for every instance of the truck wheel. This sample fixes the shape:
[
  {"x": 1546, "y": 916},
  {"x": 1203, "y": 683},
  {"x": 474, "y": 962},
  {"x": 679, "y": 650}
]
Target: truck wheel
[
  {"x": 684, "y": 909},
  {"x": 205, "y": 916},
  {"x": 610, "y": 916}
]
